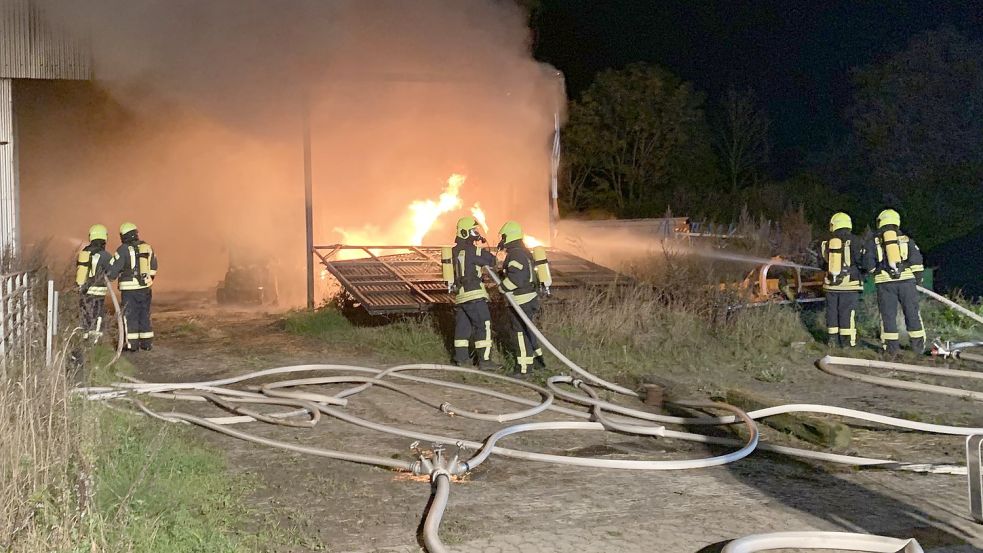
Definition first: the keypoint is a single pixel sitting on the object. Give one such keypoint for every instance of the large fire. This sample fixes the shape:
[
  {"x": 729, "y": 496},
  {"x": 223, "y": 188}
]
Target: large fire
[{"x": 421, "y": 217}]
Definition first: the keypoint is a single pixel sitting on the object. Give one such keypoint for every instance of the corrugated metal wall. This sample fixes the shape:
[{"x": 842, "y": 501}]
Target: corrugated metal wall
[
  {"x": 31, "y": 48},
  {"x": 8, "y": 169}
]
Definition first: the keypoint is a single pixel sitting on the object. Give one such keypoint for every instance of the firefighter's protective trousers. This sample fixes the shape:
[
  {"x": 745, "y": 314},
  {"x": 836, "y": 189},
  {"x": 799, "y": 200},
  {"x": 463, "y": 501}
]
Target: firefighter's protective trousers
[
  {"x": 135, "y": 265},
  {"x": 841, "y": 317},
  {"x": 527, "y": 347},
  {"x": 472, "y": 326},
  {"x": 92, "y": 266},
  {"x": 136, "y": 311},
  {"x": 889, "y": 296},
  {"x": 519, "y": 278},
  {"x": 93, "y": 311}
]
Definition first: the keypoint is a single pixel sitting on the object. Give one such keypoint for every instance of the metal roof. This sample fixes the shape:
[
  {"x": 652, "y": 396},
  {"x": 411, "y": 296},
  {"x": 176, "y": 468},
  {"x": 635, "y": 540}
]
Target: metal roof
[
  {"x": 408, "y": 279},
  {"x": 31, "y": 47}
]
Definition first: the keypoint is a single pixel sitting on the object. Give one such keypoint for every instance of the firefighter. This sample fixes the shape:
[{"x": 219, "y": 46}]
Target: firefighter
[
  {"x": 896, "y": 263},
  {"x": 843, "y": 259},
  {"x": 519, "y": 278},
  {"x": 92, "y": 266},
  {"x": 472, "y": 317},
  {"x": 135, "y": 265}
]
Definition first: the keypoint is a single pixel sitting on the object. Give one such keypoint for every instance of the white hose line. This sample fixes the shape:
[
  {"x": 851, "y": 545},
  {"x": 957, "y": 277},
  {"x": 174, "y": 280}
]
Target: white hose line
[
  {"x": 544, "y": 341},
  {"x": 634, "y": 414},
  {"x": 822, "y": 540},
  {"x": 827, "y": 365},
  {"x": 387, "y": 462},
  {"x": 431, "y": 525},
  {"x": 446, "y": 407},
  {"x": 950, "y": 303},
  {"x": 756, "y": 415},
  {"x": 976, "y": 358}
]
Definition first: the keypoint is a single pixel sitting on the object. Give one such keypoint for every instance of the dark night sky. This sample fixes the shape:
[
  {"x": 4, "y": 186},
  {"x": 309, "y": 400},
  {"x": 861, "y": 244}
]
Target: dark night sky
[{"x": 796, "y": 55}]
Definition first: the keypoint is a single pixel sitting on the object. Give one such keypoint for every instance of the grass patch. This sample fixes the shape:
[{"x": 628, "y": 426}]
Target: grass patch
[
  {"x": 629, "y": 336},
  {"x": 78, "y": 476},
  {"x": 157, "y": 491},
  {"x": 412, "y": 339}
]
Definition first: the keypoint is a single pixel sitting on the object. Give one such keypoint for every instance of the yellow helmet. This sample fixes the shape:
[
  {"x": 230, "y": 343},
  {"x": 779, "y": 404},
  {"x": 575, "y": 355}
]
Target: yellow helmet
[
  {"x": 510, "y": 232},
  {"x": 840, "y": 220},
  {"x": 126, "y": 227},
  {"x": 464, "y": 226},
  {"x": 98, "y": 232},
  {"x": 888, "y": 217}
]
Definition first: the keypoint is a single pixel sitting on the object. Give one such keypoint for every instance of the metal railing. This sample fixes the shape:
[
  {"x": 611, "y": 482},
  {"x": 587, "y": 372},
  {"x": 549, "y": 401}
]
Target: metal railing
[{"x": 16, "y": 311}]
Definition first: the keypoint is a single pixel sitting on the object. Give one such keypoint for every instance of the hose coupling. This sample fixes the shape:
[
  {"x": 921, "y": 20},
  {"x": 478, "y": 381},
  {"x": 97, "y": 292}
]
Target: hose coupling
[{"x": 438, "y": 472}]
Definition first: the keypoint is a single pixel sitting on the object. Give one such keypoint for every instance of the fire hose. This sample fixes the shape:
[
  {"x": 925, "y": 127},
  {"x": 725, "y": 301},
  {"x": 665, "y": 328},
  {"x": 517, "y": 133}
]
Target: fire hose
[{"x": 600, "y": 415}]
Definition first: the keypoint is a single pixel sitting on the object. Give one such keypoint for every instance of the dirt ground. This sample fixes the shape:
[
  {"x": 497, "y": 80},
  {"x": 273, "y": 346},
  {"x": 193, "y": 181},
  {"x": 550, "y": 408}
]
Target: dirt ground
[{"x": 510, "y": 505}]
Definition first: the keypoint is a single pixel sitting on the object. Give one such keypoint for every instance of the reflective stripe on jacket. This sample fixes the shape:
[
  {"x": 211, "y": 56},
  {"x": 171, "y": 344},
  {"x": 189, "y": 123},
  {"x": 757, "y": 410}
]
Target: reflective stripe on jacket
[
  {"x": 876, "y": 259},
  {"x": 135, "y": 265},
  {"x": 843, "y": 255},
  {"x": 92, "y": 265},
  {"x": 469, "y": 259},
  {"x": 519, "y": 275}
]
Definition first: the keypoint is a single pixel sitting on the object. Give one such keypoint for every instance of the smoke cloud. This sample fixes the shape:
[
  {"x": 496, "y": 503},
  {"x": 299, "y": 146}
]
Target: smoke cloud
[{"x": 193, "y": 128}]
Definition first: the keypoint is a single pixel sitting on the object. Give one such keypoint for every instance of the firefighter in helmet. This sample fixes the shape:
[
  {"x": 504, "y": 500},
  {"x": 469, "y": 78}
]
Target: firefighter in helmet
[
  {"x": 135, "y": 265},
  {"x": 472, "y": 317},
  {"x": 92, "y": 266},
  {"x": 843, "y": 259},
  {"x": 896, "y": 263},
  {"x": 519, "y": 278}
]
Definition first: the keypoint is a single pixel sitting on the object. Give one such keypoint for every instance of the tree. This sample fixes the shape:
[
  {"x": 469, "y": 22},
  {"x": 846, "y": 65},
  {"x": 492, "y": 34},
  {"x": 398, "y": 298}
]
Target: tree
[
  {"x": 742, "y": 140},
  {"x": 918, "y": 120},
  {"x": 633, "y": 136}
]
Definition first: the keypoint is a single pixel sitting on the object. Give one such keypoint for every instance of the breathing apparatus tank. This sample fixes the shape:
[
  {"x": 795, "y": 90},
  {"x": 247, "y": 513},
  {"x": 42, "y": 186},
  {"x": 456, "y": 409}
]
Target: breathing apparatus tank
[
  {"x": 144, "y": 253},
  {"x": 892, "y": 252},
  {"x": 542, "y": 267},
  {"x": 835, "y": 260},
  {"x": 82, "y": 270},
  {"x": 447, "y": 266}
]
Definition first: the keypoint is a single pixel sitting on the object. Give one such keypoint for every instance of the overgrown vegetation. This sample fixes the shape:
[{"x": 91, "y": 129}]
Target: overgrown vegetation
[
  {"x": 631, "y": 335},
  {"x": 78, "y": 476}
]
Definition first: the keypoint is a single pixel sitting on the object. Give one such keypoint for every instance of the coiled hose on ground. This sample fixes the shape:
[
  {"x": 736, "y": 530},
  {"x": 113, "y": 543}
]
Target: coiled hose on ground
[{"x": 598, "y": 415}]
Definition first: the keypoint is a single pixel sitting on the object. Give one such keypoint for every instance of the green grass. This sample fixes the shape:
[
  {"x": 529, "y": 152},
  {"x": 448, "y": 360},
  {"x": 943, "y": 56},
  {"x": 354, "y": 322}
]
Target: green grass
[
  {"x": 403, "y": 340},
  {"x": 158, "y": 491},
  {"x": 156, "y": 488}
]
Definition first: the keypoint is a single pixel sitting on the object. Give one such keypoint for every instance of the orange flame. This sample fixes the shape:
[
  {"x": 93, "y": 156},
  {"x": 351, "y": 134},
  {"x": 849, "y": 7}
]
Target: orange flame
[
  {"x": 532, "y": 241},
  {"x": 479, "y": 215},
  {"x": 424, "y": 213}
]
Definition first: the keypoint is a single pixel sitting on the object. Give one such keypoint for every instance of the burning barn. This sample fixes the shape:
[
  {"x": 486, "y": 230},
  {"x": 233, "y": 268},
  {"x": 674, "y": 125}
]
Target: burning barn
[{"x": 413, "y": 119}]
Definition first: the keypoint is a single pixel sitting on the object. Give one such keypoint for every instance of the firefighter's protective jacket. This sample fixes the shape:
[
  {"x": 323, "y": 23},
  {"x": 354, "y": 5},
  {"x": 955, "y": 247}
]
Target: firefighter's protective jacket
[
  {"x": 92, "y": 265},
  {"x": 843, "y": 259},
  {"x": 135, "y": 265},
  {"x": 876, "y": 257},
  {"x": 519, "y": 276},
  {"x": 469, "y": 258}
]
